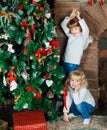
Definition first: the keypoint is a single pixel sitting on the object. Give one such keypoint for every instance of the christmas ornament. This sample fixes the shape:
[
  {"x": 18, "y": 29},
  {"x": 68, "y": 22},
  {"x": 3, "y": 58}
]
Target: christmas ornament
[
  {"x": 25, "y": 106},
  {"x": 20, "y": 7},
  {"x": 50, "y": 95},
  {"x": 40, "y": 7},
  {"x": 10, "y": 48},
  {"x": 48, "y": 15},
  {"x": 16, "y": 98},
  {"x": 25, "y": 75},
  {"x": 49, "y": 113},
  {"x": 47, "y": 45},
  {"x": 37, "y": 15},
  {"x": 4, "y": 36},
  {"x": 24, "y": 24},
  {"x": 46, "y": 76},
  {"x": 12, "y": 78},
  {"x": 13, "y": 85},
  {"x": 32, "y": 89},
  {"x": 4, "y": 80},
  {"x": 49, "y": 51},
  {"x": 49, "y": 83},
  {"x": 54, "y": 43},
  {"x": 45, "y": 22},
  {"x": 5, "y": 17}
]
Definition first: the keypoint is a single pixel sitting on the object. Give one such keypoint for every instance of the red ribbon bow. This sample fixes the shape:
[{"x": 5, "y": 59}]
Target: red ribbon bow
[
  {"x": 65, "y": 93},
  {"x": 31, "y": 89},
  {"x": 12, "y": 75},
  {"x": 27, "y": 29}
]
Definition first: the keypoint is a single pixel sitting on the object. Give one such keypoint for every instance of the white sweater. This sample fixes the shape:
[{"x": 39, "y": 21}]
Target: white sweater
[
  {"x": 82, "y": 95},
  {"x": 75, "y": 44}
]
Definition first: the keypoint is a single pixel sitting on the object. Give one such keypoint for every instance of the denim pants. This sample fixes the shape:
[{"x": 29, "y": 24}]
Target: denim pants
[
  {"x": 68, "y": 67},
  {"x": 84, "y": 109}
]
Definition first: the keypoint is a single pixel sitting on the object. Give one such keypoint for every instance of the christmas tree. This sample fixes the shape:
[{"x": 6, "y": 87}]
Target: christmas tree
[{"x": 29, "y": 56}]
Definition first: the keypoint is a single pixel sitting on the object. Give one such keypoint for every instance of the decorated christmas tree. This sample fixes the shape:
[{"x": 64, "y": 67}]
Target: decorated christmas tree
[{"x": 29, "y": 56}]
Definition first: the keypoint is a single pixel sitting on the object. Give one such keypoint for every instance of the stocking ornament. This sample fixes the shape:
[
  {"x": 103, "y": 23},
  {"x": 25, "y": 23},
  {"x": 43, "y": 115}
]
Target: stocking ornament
[
  {"x": 10, "y": 48},
  {"x": 13, "y": 85}
]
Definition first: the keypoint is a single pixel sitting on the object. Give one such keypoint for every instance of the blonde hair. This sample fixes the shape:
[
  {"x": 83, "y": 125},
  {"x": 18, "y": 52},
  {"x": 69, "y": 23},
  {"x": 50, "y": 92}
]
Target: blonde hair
[{"x": 78, "y": 75}]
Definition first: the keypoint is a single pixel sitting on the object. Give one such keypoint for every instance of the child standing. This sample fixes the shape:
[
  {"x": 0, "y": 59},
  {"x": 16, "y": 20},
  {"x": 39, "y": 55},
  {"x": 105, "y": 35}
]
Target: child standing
[
  {"x": 77, "y": 32},
  {"x": 79, "y": 99}
]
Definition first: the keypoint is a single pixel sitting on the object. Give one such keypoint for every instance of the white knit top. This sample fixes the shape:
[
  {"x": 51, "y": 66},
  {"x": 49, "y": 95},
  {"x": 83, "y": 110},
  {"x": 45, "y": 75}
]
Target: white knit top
[
  {"x": 82, "y": 95},
  {"x": 75, "y": 44}
]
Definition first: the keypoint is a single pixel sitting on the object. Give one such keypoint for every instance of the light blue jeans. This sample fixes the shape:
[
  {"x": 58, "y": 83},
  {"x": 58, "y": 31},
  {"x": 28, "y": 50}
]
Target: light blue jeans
[{"x": 84, "y": 109}]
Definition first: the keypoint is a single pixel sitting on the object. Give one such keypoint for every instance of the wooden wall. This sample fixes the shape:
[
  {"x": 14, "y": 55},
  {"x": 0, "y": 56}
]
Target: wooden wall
[{"x": 90, "y": 58}]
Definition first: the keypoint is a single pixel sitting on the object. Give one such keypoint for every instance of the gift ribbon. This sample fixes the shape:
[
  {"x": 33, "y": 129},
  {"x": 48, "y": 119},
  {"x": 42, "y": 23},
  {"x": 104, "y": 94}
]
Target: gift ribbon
[{"x": 65, "y": 93}]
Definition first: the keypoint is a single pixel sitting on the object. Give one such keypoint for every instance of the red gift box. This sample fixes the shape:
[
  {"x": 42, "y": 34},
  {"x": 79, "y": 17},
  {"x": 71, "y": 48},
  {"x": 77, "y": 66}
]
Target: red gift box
[{"x": 29, "y": 120}]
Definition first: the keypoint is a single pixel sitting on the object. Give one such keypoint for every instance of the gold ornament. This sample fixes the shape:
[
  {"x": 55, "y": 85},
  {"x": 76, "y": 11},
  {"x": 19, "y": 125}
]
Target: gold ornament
[
  {"x": 37, "y": 16},
  {"x": 8, "y": 15},
  {"x": 41, "y": 59},
  {"x": 16, "y": 98}
]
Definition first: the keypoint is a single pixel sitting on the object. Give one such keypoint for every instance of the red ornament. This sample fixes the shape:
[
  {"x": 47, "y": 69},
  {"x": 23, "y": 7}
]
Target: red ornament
[
  {"x": 38, "y": 53},
  {"x": 49, "y": 51},
  {"x": 46, "y": 76},
  {"x": 38, "y": 95},
  {"x": 43, "y": 51},
  {"x": 30, "y": 89},
  {"x": 40, "y": 7},
  {"x": 54, "y": 43},
  {"x": 20, "y": 6}
]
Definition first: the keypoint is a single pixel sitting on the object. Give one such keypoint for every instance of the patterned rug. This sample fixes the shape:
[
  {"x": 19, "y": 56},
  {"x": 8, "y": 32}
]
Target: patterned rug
[{"x": 97, "y": 123}]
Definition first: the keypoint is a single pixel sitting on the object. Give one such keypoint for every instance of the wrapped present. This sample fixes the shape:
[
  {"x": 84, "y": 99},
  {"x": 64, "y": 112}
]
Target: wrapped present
[
  {"x": 29, "y": 120},
  {"x": 3, "y": 125}
]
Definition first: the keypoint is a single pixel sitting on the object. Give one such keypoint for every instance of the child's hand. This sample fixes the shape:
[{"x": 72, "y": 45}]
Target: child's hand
[
  {"x": 73, "y": 14},
  {"x": 78, "y": 15},
  {"x": 66, "y": 117},
  {"x": 77, "y": 88}
]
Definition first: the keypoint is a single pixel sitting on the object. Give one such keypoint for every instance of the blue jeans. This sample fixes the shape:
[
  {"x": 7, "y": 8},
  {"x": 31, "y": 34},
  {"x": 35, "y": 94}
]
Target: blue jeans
[
  {"x": 84, "y": 109},
  {"x": 68, "y": 67}
]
